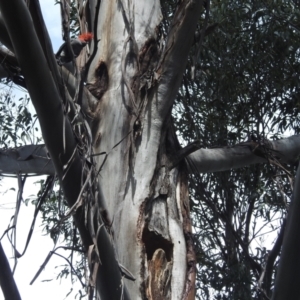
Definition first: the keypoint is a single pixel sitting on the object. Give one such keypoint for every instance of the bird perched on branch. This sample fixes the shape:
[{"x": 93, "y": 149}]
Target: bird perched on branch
[{"x": 63, "y": 54}]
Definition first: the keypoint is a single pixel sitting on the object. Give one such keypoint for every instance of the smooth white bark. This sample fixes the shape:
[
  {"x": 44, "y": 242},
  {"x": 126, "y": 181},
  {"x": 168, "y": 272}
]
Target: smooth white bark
[{"x": 134, "y": 175}]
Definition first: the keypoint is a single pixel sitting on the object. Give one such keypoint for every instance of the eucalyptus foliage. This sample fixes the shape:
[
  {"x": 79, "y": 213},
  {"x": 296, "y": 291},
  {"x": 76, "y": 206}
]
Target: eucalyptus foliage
[{"x": 245, "y": 88}]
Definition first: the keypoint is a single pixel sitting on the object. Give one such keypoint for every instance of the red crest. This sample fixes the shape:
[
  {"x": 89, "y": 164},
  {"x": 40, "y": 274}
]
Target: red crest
[{"x": 86, "y": 37}]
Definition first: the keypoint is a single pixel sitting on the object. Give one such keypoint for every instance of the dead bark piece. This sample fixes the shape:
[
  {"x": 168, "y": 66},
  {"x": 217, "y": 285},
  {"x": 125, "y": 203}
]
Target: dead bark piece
[{"x": 159, "y": 280}]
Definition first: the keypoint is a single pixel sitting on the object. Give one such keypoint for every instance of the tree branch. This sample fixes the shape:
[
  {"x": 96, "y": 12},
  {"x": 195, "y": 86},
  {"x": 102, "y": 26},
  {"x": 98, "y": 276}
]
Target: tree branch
[
  {"x": 287, "y": 282},
  {"x": 45, "y": 42},
  {"x": 271, "y": 259},
  {"x": 44, "y": 94},
  {"x": 59, "y": 137},
  {"x": 222, "y": 159},
  {"x": 7, "y": 282},
  {"x": 173, "y": 61},
  {"x": 32, "y": 159},
  {"x": 4, "y": 37}
]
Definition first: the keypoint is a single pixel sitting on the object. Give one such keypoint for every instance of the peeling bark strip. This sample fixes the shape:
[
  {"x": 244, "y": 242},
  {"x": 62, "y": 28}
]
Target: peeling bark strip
[
  {"x": 168, "y": 270},
  {"x": 169, "y": 256},
  {"x": 190, "y": 289}
]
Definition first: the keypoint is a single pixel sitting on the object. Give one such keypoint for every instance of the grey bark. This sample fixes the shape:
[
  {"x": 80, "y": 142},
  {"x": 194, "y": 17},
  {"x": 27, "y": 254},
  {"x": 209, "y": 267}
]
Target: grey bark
[
  {"x": 31, "y": 159},
  {"x": 244, "y": 154},
  {"x": 287, "y": 283}
]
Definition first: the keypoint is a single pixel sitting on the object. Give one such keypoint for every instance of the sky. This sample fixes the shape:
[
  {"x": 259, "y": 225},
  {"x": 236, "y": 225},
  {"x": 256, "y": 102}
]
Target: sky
[{"x": 40, "y": 244}]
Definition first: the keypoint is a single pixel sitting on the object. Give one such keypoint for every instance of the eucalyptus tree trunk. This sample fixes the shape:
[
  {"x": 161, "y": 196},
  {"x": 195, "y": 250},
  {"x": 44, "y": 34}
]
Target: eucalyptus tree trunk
[
  {"x": 106, "y": 122},
  {"x": 117, "y": 162},
  {"x": 132, "y": 82}
]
